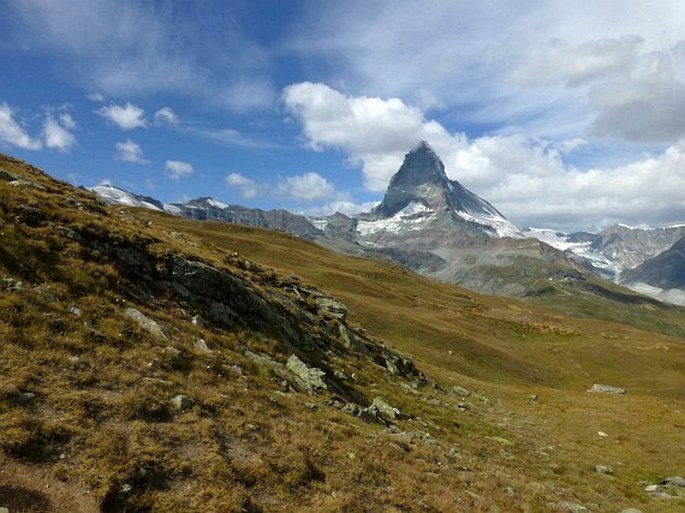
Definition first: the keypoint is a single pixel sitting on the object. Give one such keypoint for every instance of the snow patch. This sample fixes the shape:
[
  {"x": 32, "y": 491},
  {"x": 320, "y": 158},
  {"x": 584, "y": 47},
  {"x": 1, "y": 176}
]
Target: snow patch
[
  {"x": 411, "y": 217},
  {"x": 115, "y": 196},
  {"x": 217, "y": 204},
  {"x": 502, "y": 226}
]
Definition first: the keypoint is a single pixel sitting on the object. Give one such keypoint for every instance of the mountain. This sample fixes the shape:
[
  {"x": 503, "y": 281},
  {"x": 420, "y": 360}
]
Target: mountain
[
  {"x": 205, "y": 208},
  {"x": 420, "y": 193},
  {"x": 662, "y": 276},
  {"x": 433, "y": 225},
  {"x": 628, "y": 247},
  {"x": 116, "y": 196},
  {"x": 154, "y": 363}
]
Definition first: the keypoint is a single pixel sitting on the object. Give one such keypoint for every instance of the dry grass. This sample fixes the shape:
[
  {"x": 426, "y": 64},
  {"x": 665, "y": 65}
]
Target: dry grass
[{"x": 101, "y": 431}]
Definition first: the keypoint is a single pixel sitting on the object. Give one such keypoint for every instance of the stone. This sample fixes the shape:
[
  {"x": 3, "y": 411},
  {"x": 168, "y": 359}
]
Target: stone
[
  {"x": 460, "y": 391},
  {"x": 572, "y": 507},
  {"x": 309, "y": 378},
  {"x": 630, "y": 510},
  {"x": 25, "y": 398},
  {"x": 383, "y": 410},
  {"x": 607, "y": 389},
  {"x": 674, "y": 481},
  {"x": 6, "y": 176},
  {"x": 75, "y": 310},
  {"x": 11, "y": 284},
  {"x": 603, "y": 469},
  {"x": 201, "y": 345},
  {"x": 331, "y": 307},
  {"x": 145, "y": 323},
  {"x": 181, "y": 402}
]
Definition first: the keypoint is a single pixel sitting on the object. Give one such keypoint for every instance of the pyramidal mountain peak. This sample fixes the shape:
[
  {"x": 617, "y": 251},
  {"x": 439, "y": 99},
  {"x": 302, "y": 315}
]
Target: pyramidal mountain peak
[{"x": 421, "y": 188}]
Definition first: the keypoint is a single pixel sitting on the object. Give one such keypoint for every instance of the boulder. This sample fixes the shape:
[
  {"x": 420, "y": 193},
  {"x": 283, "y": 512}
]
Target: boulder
[
  {"x": 606, "y": 389},
  {"x": 145, "y": 323},
  {"x": 603, "y": 469},
  {"x": 331, "y": 308},
  {"x": 383, "y": 410},
  {"x": 181, "y": 402},
  {"x": 307, "y": 378}
]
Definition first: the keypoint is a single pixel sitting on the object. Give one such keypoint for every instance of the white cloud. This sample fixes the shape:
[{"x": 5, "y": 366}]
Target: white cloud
[
  {"x": 96, "y": 97},
  {"x": 134, "y": 48},
  {"x": 246, "y": 186},
  {"x": 648, "y": 102},
  {"x": 166, "y": 116},
  {"x": 527, "y": 179},
  {"x": 126, "y": 117},
  {"x": 372, "y": 131},
  {"x": 343, "y": 206},
  {"x": 509, "y": 67},
  {"x": 306, "y": 187},
  {"x": 128, "y": 151},
  {"x": 559, "y": 62},
  {"x": 56, "y": 135},
  {"x": 11, "y": 132},
  {"x": 67, "y": 121},
  {"x": 178, "y": 169}
]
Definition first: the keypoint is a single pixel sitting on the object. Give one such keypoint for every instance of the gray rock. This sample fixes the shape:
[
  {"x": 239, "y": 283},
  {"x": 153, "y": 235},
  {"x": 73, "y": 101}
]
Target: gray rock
[
  {"x": 674, "y": 481},
  {"x": 181, "y": 402},
  {"x": 383, "y": 410},
  {"x": 571, "y": 507},
  {"x": 308, "y": 378},
  {"x": 145, "y": 323},
  {"x": 263, "y": 359},
  {"x": 75, "y": 310},
  {"x": 331, "y": 307},
  {"x": 4, "y": 510},
  {"x": 603, "y": 469},
  {"x": 11, "y": 284},
  {"x": 25, "y": 398},
  {"x": 201, "y": 345},
  {"x": 606, "y": 389},
  {"x": 630, "y": 510},
  {"x": 461, "y": 391},
  {"x": 26, "y": 183},
  {"x": 6, "y": 176}
]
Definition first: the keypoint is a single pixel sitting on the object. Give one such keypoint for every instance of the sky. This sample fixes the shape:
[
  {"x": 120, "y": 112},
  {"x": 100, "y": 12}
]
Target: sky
[{"x": 564, "y": 114}]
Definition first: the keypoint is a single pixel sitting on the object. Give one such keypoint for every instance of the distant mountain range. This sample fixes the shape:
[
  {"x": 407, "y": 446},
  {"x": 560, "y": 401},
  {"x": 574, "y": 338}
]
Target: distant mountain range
[{"x": 435, "y": 226}]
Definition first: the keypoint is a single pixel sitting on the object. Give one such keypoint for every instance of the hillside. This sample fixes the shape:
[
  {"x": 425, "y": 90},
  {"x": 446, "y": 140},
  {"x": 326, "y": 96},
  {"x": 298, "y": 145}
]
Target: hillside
[{"x": 153, "y": 363}]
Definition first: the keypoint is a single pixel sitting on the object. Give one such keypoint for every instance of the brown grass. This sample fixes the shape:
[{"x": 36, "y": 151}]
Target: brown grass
[{"x": 100, "y": 433}]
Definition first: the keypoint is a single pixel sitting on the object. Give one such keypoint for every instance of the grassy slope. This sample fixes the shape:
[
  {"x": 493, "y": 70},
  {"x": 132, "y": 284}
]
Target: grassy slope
[{"x": 100, "y": 418}]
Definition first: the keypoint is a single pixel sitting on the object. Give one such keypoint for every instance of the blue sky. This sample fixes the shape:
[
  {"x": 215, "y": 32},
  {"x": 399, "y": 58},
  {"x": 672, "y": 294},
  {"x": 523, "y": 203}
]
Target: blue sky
[{"x": 564, "y": 114}]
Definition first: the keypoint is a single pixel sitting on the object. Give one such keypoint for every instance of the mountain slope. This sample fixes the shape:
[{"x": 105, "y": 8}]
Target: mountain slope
[{"x": 154, "y": 363}]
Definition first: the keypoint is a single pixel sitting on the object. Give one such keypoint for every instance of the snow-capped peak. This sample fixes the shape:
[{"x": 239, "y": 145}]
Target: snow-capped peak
[{"x": 116, "y": 196}]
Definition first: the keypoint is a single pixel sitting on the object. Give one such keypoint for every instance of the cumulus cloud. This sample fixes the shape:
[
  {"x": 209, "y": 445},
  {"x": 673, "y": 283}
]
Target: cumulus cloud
[
  {"x": 96, "y": 97},
  {"x": 56, "y": 133},
  {"x": 372, "y": 131},
  {"x": 13, "y": 133},
  {"x": 165, "y": 116},
  {"x": 306, "y": 187},
  {"x": 247, "y": 187},
  {"x": 528, "y": 179},
  {"x": 128, "y": 151},
  {"x": 178, "y": 169},
  {"x": 126, "y": 117}
]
